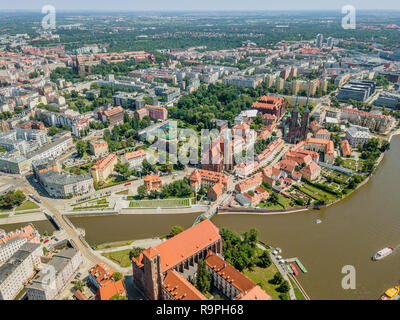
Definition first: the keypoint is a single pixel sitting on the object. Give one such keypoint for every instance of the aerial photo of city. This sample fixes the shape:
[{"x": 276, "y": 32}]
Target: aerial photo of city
[{"x": 221, "y": 150}]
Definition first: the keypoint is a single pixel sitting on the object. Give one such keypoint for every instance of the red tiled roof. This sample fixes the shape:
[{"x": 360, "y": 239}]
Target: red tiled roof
[
  {"x": 111, "y": 288},
  {"x": 180, "y": 288},
  {"x": 233, "y": 276},
  {"x": 102, "y": 164},
  {"x": 135, "y": 154},
  {"x": 183, "y": 245}
]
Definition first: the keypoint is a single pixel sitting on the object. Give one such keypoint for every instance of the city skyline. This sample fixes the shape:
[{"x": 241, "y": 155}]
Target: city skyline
[{"x": 207, "y": 5}]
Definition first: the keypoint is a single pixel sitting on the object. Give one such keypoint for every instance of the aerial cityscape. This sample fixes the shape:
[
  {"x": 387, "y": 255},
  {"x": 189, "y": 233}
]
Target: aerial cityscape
[{"x": 199, "y": 154}]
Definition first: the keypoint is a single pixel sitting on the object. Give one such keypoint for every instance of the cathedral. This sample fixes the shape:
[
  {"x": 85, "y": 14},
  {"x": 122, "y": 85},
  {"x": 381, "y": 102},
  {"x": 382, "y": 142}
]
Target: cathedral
[
  {"x": 80, "y": 69},
  {"x": 296, "y": 127}
]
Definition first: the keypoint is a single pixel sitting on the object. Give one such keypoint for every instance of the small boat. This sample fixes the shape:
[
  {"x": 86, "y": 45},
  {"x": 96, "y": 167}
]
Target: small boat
[
  {"x": 391, "y": 294},
  {"x": 382, "y": 253},
  {"x": 318, "y": 221},
  {"x": 294, "y": 269},
  {"x": 289, "y": 269}
]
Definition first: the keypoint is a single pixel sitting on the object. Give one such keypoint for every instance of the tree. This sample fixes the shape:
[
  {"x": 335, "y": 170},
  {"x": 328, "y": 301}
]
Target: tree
[
  {"x": 284, "y": 287},
  {"x": 273, "y": 198},
  {"x": 12, "y": 199},
  {"x": 81, "y": 147},
  {"x": 117, "y": 276},
  {"x": 52, "y": 131},
  {"x": 135, "y": 252},
  {"x": 264, "y": 261},
  {"x": 154, "y": 194},
  {"x": 176, "y": 230},
  {"x": 118, "y": 297},
  {"x": 277, "y": 279},
  {"x": 142, "y": 191},
  {"x": 203, "y": 277},
  {"x": 78, "y": 285},
  {"x": 385, "y": 146},
  {"x": 339, "y": 161},
  {"x": 123, "y": 169}
]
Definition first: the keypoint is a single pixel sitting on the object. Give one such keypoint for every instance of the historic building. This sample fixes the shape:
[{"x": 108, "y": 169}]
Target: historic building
[
  {"x": 152, "y": 268},
  {"x": 297, "y": 127}
]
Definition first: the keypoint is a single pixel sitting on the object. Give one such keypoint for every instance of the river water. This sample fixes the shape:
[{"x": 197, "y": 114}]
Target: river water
[{"x": 350, "y": 233}]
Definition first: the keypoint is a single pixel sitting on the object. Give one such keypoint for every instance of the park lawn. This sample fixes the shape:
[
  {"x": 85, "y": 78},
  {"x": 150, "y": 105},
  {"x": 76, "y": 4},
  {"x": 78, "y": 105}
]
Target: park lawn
[
  {"x": 316, "y": 193},
  {"x": 26, "y": 212},
  {"x": 261, "y": 276},
  {"x": 162, "y": 203},
  {"x": 119, "y": 257},
  {"x": 113, "y": 245},
  {"x": 3, "y": 216},
  {"x": 27, "y": 205},
  {"x": 284, "y": 203},
  {"x": 99, "y": 206},
  {"x": 297, "y": 292}
]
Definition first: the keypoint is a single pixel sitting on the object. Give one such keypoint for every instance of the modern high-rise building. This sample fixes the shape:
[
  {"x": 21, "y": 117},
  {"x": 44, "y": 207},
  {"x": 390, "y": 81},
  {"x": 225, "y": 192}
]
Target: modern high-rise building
[{"x": 319, "y": 40}]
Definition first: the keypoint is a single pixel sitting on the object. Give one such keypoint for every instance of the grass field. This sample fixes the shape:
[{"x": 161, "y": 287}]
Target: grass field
[
  {"x": 261, "y": 277},
  {"x": 316, "y": 193},
  {"x": 113, "y": 245},
  {"x": 26, "y": 212},
  {"x": 3, "y": 216},
  {"x": 162, "y": 203},
  {"x": 119, "y": 257},
  {"x": 297, "y": 292},
  {"x": 284, "y": 203},
  {"x": 27, "y": 205}
]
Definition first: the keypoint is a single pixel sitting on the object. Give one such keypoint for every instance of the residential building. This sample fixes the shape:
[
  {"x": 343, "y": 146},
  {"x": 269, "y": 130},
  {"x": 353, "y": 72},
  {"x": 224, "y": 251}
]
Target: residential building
[
  {"x": 152, "y": 182},
  {"x": 323, "y": 134},
  {"x": 156, "y": 112},
  {"x": 325, "y": 149},
  {"x": 256, "y": 195},
  {"x": 357, "y": 135},
  {"x": 207, "y": 179},
  {"x": 375, "y": 122},
  {"x": 113, "y": 115},
  {"x": 103, "y": 168},
  {"x": 311, "y": 172},
  {"x": 63, "y": 265},
  {"x": 271, "y": 105},
  {"x": 125, "y": 99},
  {"x": 18, "y": 269},
  {"x": 231, "y": 282},
  {"x": 346, "y": 148},
  {"x": 106, "y": 286},
  {"x": 13, "y": 241},
  {"x": 135, "y": 158},
  {"x": 65, "y": 185},
  {"x": 99, "y": 148},
  {"x": 243, "y": 81},
  {"x": 216, "y": 191}
]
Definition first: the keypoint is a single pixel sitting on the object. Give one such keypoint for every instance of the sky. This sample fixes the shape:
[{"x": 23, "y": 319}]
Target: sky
[{"x": 198, "y": 5}]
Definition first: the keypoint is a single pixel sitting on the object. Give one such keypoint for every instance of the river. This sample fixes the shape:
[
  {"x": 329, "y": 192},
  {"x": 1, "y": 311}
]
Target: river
[{"x": 350, "y": 233}]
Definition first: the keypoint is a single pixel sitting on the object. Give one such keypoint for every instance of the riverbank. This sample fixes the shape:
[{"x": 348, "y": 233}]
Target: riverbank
[{"x": 254, "y": 211}]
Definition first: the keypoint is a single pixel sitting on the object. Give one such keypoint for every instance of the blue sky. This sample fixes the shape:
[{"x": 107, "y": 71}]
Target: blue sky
[{"x": 203, "y": 5}]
